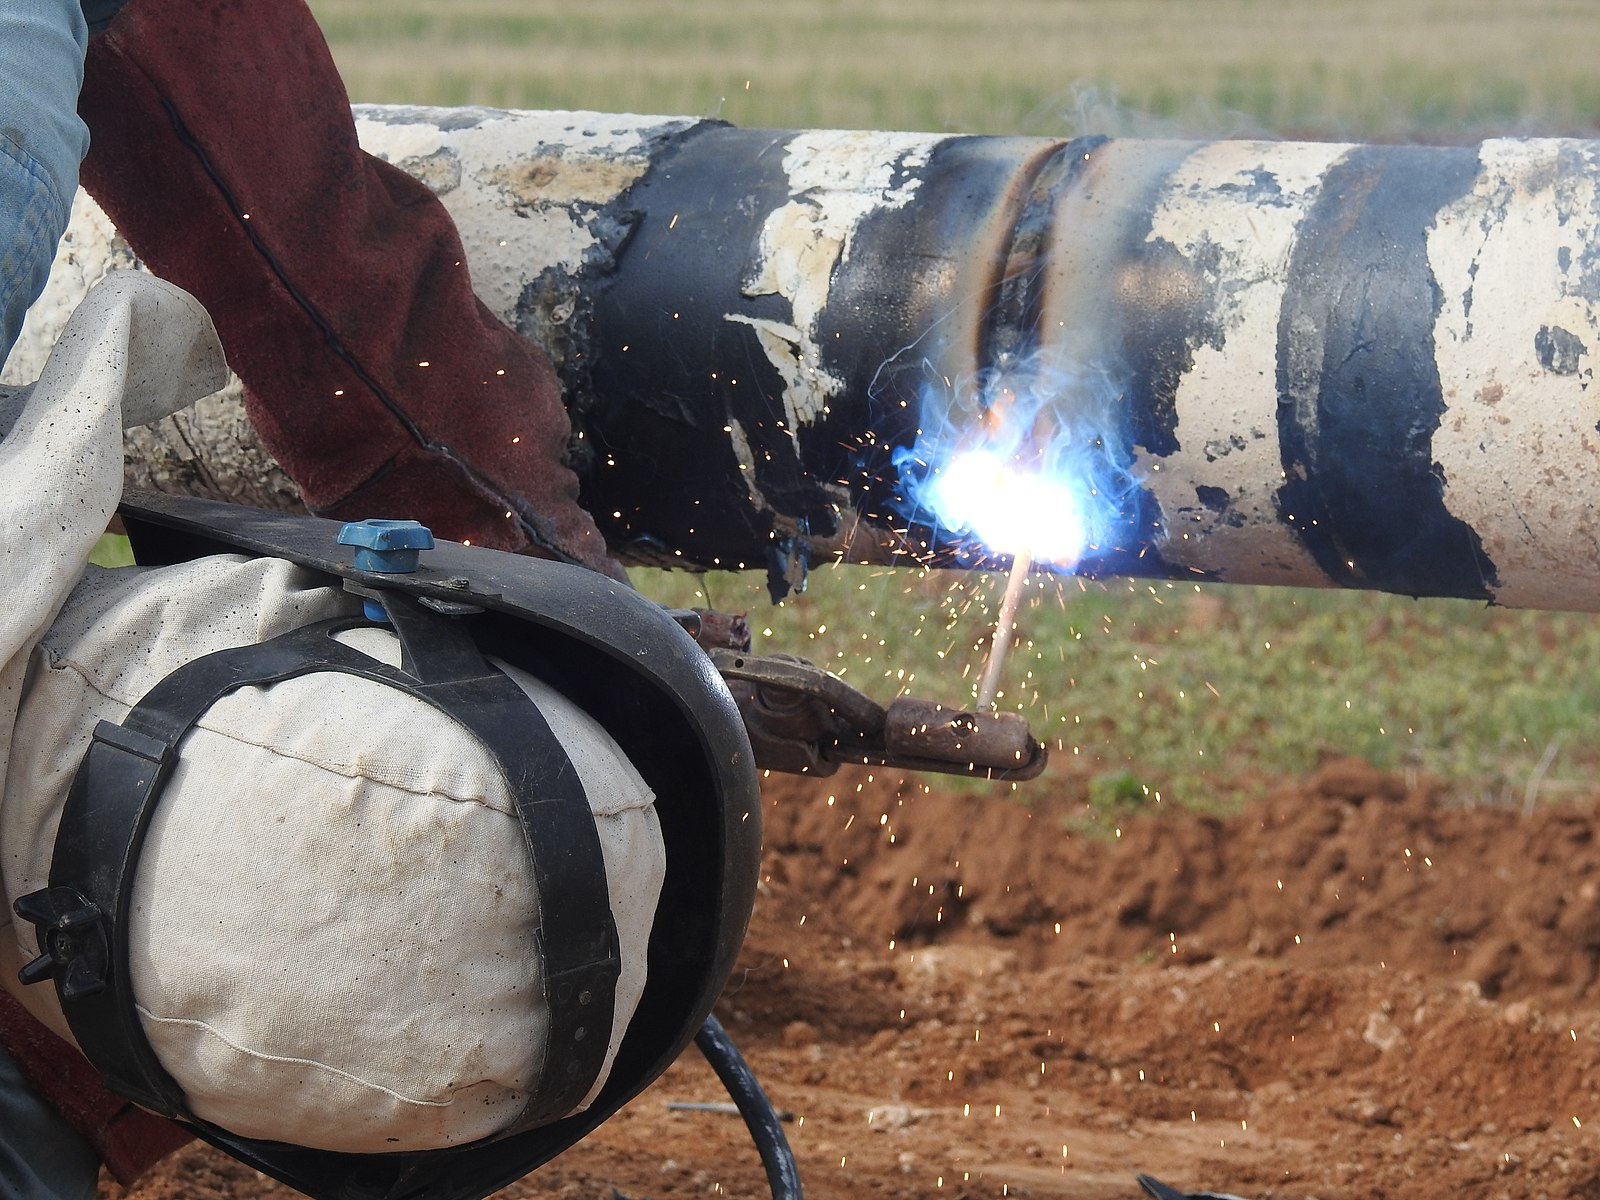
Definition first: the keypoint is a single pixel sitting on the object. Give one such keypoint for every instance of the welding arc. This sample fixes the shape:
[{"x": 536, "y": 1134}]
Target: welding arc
[{"x": 1004, "y": 628}]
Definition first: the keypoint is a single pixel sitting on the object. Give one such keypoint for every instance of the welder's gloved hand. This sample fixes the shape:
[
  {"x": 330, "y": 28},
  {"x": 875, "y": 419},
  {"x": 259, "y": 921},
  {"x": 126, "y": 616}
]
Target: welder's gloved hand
[
  {"x": 335, "y": 916},
  {"x": 224, "y": 151}
]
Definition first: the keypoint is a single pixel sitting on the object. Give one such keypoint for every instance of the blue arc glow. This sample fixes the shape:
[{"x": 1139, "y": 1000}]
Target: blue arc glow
[
  {"x": 1010, "y": 508},
  {"x": 1027, "y": 460}
]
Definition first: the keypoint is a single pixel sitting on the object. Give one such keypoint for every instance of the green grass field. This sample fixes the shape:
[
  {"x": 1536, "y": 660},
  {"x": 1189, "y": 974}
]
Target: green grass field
[
  {"x": 1367, "y": 68},
  {"x": 1206, "y": 694},
  {"x": 1202, "y": 695}
]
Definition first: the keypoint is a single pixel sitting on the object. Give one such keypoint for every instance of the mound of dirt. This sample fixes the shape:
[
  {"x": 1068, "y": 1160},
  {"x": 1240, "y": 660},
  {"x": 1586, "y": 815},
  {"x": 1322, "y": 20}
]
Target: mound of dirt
[
  {"x": 1353, "y": 989},
  {"x": 1352, "y": 867}
]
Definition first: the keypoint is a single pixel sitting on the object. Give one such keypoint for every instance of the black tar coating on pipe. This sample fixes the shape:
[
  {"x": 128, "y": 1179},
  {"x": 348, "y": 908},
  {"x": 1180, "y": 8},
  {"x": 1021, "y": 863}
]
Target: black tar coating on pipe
[
  {"x": 675, "y": 373},
  {"x": 1359, "y": 394}
]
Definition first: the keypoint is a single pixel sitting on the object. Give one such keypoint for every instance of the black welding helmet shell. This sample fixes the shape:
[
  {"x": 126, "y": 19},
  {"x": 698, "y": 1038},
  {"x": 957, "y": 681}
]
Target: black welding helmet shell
[{"x": 630, "y": 667}]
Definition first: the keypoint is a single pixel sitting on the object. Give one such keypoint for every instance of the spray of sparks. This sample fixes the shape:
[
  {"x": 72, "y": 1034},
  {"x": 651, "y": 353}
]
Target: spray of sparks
[
  {"x": 1020, "y": 464},
  {"x": 1024, "y": 460}
]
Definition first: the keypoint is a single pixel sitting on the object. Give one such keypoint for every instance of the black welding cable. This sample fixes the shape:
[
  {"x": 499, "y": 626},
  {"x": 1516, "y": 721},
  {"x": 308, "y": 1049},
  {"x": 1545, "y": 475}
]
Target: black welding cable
[{"x": 783, "y": 1176}]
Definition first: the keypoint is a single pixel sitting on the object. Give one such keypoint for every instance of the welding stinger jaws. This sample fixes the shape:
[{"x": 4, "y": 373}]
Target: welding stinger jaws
[{"x": 804, "y": 719}]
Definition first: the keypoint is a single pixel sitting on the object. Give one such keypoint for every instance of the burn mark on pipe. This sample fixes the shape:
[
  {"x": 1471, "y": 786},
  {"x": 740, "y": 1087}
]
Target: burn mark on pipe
[
  {"x": 969, "y": 293},
  {"x": 1359, "y": 390},
  {"x": 904, "y": 316},
  {"x": 1010, "y": 328},
  {"x": 1014, "y": 330}
]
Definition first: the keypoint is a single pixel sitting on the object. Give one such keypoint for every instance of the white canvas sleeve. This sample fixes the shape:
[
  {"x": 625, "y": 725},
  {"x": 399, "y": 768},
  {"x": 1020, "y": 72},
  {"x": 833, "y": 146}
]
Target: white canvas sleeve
[{"x": 137, "y": 349}]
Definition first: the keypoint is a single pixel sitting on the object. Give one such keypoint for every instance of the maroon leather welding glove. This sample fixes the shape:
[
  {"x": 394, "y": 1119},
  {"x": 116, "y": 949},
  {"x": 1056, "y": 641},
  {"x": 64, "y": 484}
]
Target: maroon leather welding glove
[
  {"x": 224, "y": 151},
  {"x": 129, "y": 1140}
]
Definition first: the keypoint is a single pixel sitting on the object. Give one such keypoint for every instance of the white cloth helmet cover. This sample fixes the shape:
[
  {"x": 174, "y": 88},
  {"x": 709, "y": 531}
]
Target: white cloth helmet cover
[{"x": 333, "y": 922}]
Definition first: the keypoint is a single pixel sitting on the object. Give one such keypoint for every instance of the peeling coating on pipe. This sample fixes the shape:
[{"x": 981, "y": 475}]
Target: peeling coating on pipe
[
  {"x": 1227, "y": 210},
  {"x": 528, "y": 191},
  {"x": 836, "y": 180},
  {"x": 537, "y": 198},
  {"x": 1517, "y": 365}
]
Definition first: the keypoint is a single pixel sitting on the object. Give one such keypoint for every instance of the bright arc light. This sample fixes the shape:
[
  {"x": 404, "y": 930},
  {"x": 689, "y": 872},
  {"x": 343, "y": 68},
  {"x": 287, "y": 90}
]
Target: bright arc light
[{"x": 1011, "y": 509}]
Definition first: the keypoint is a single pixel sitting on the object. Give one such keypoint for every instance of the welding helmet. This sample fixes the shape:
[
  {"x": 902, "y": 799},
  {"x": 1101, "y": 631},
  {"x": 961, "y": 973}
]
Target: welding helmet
[{"x": 398, "y": 902}]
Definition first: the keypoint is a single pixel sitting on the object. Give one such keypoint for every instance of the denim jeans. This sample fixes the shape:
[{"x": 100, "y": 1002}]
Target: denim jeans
[
  {"x": 42, "y": 141},
  {"x": 41, "y": 1156}
]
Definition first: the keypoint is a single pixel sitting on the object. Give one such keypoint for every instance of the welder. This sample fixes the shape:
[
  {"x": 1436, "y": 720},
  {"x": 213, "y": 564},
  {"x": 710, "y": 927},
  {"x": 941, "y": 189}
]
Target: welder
[
  {"x": 321, "y": 914},
  {"x": 359, "y": 884}
]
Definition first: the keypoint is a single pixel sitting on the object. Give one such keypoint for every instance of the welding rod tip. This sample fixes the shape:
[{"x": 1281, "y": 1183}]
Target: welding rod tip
[{"x": 1005, "y": 625}]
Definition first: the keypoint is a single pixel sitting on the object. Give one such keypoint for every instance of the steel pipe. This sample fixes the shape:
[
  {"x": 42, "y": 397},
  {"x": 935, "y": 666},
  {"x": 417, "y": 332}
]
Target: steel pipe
[{"x": 1260, "y": 362}]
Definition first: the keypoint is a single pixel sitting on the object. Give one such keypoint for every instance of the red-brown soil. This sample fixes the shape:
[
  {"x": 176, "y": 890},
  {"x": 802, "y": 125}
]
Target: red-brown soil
[{"x": 1352, "y": 989}]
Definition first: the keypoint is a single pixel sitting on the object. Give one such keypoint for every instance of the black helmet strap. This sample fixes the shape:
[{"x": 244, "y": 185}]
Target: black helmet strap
[{"x": 82, "y": 917}]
